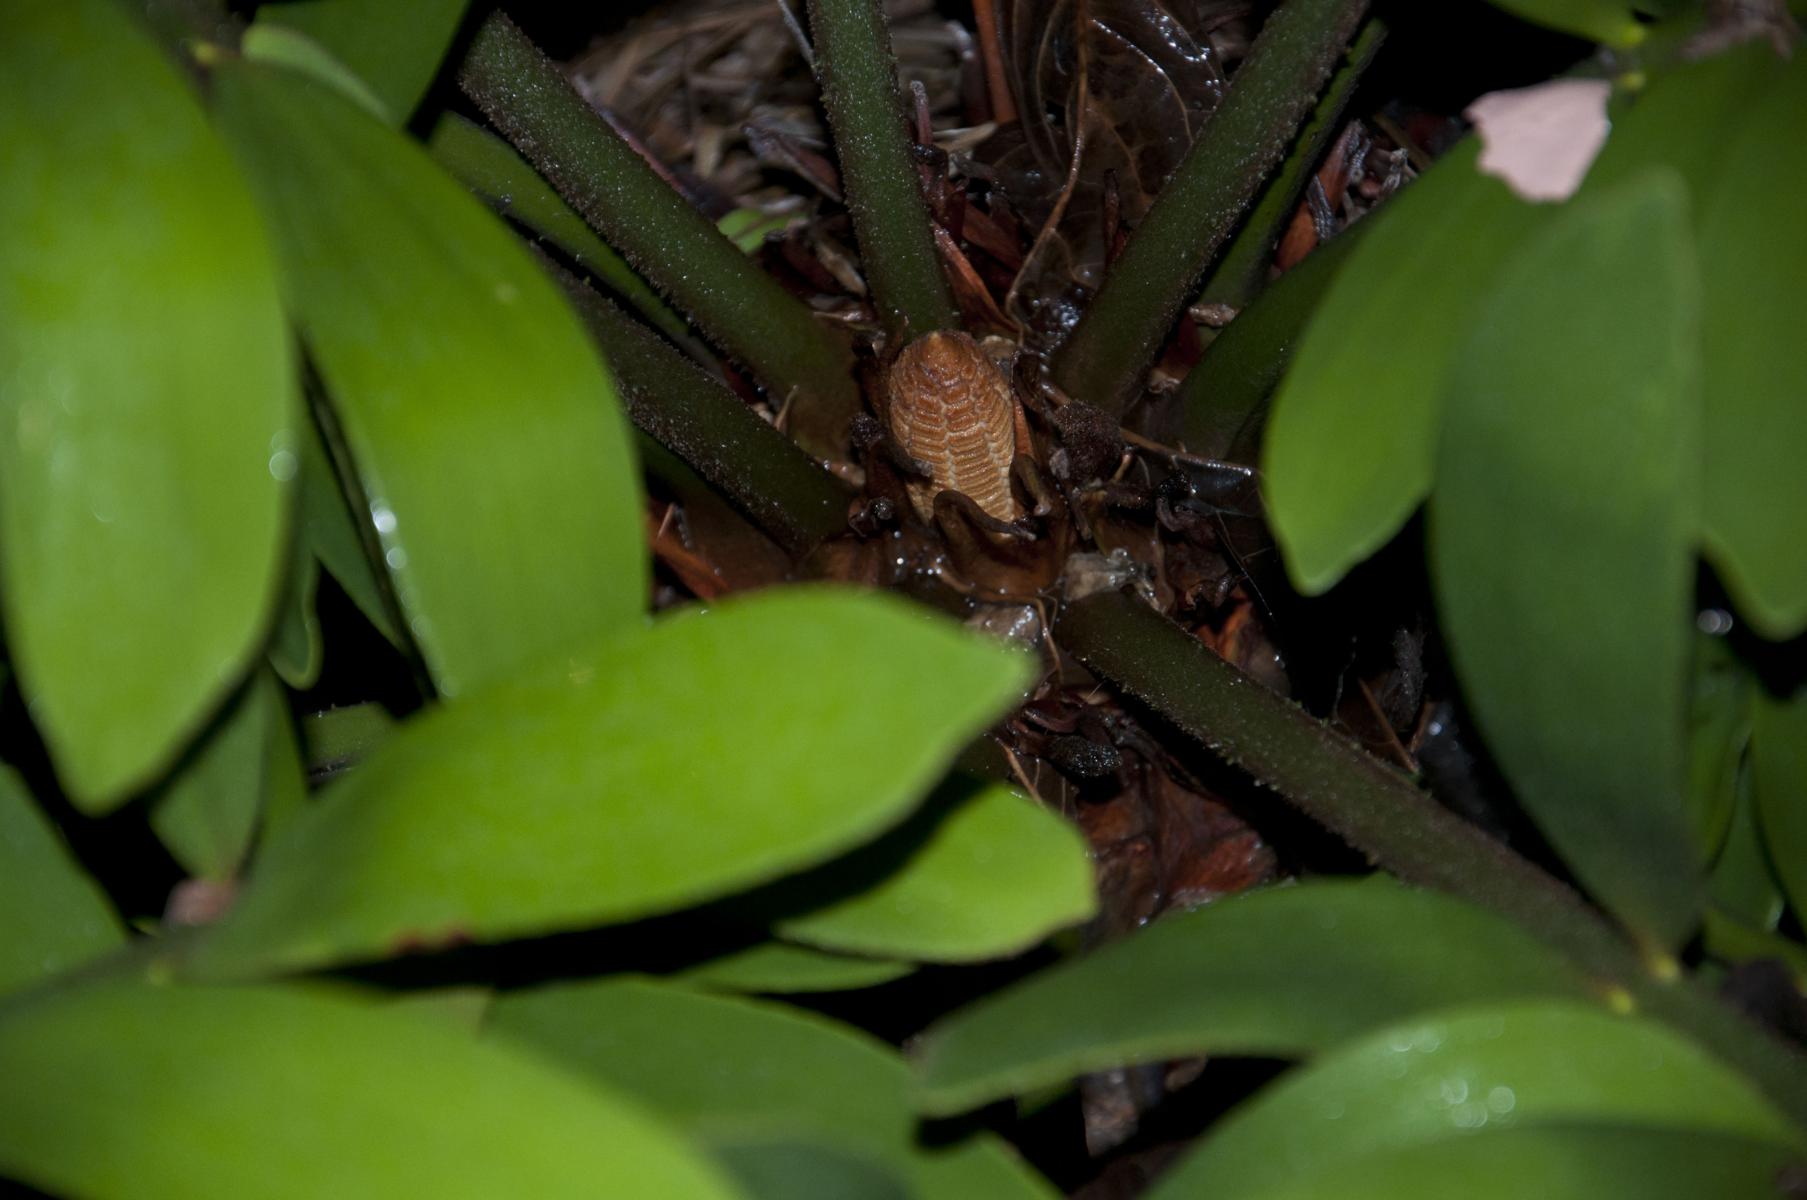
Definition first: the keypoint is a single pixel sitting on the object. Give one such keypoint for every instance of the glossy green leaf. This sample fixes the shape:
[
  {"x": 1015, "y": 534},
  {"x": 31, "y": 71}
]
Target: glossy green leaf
[
  {"x": 296, "y": 651},
  {"x": 486, "y": 436},
  {"x": 1719, "y": 728},
  {"x": 980, "y": 872},
  {"x": 280, "y": 46},
  {"x": 1352, "y": 438},
  {"x": 723, "y": 1068},
  {"x": 489, "y": 166},
  {"x": 328, "y": 527},
  {"x": 394, "y": 46},
  {"x": 717, "y": 750},
  {"x": 1562, "y": 536},
  {"x": 777, "y": 968},
  {"x": 54, "y": 915},
  {"x": 146, "y": 393},
  {"x": 208, "y": 812},
  {"x": 1551, "y": 1162},
  {"x": 130, "y": 1090},
  {"x": 1285, "y": 971},
  {"x": 1467, "y": 1076},
  {"x": 1779, "y": 759},
  {"x": 1753, "y": 264},
  {"x": 1608, "y": 21}
]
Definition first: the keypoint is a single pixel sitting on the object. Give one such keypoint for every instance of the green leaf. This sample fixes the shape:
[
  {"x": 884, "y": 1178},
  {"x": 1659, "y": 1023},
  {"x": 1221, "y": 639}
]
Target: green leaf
[
  {"x": 1467, "y": 1077},
  {"x": 721, "y": 748},
  {"x": 330, "y": 530},
  {"x": 1608, "y": 21},
  {"x": 1753, "y": 263},
  {"x": 1285, "y": 971},
  {"x": 1552, "y": 1162},
  {"x": 801, "y": 1170},
  {"x": 279, "y": 46},
  {"x": 338, "y": 738},
  {"x": 394, "y": 46},
  {"x": 485, "y": 434},
  {"x": 131, "y": 1090},
  {"x": 1562, "y": 534},
  {"x": 146, "y": 393},
  {"x": 489, "y": 166},
  {"x": 768, "y": 1086},
  {"x": 1719, "y": 728},
  {"x": 777, "y": 968},
  {"x": 207, "y": 813},
  {"x": 1743, "y": 884},
  {"x": 982, "y": 1167},
  {"x": 722, "y": 1068},
  {"x": 1352, "y": 438},
  {"x": 980, "y": 872},
  {"x": 54, "y": 915},
  {"x": 296, "y": 651},
  {"x": 1779, "y": 759}
]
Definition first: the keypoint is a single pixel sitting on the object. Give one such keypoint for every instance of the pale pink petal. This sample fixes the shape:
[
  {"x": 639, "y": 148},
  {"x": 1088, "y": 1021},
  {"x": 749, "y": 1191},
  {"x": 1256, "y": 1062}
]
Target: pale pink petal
[{"x": 1541, "y": 140}]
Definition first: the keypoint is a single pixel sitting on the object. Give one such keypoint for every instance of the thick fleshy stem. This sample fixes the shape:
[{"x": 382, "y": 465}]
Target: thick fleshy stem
[
  {"x": 785, "y": 493},
  {"x": 1110, "y": 351},
  {"x": 1242, "y": 271},
  {"x": 878, "y": 171},
  {"x": 736, "y": 305},
  {"x": 1397, "y": 825}
]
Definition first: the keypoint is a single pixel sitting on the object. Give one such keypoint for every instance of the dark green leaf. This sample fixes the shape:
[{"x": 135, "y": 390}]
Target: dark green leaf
[
  {"x": 208, "y": 811},
  {"x": 1779, "y": 756},
  {"x": 1753, "y": 263},
  {"x": 1352, "y": 438},
  {"x": 338, "y": 738},
  {"x": 1719, "y": 728},
  {"x": 485, "y": 434},
  {"x": 1562, "y": 535},
  {"x": 54, "y": 915},
  {"x": 1743, "y": 884},
  {"x": 1285, "y": 971},
  {"x": 777, "y": 968},
  {"x": 131, "y": 1090},
  {"x": 1608, "y": 21},
  {"x": 281, "y": 46},
  {"x": 328, "y": 527},
  {"x": 146, "y": 392},
  {"x": 983, "y": 873},
  {"x": 394, "y": 46},
  {"x": 715, "y": 751},
  {"x": 748, "y": 1076},
  {"x": 1470, "y": 1076},
  {"x": 801, "y": 1170},
  {"x": 723, "y": 1068}
]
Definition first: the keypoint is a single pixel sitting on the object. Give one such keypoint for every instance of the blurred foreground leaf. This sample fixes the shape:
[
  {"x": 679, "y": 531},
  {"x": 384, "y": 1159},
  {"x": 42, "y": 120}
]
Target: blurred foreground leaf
[{"x": 146, "y": 396}]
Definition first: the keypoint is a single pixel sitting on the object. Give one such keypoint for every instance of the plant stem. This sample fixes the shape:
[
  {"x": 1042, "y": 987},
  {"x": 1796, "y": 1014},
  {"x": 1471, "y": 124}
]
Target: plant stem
[
  {"x": 505, "y": 181},
  {"x": 878, "y": 171},
  {"x": 1241, "y": 273},
  {"x": 735, "y": 304},
  {"x": 1114, "y": 344},
  {"x": 1397, "y": 825},
  {"x": 784, "y": 492},
  {"x": 1223, "y": 402}
]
